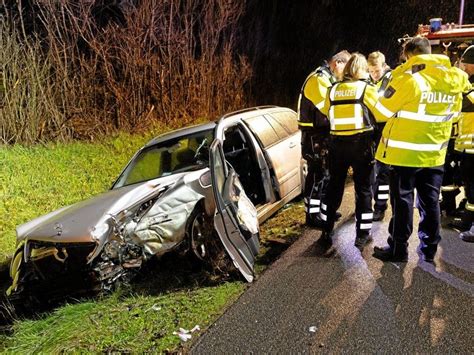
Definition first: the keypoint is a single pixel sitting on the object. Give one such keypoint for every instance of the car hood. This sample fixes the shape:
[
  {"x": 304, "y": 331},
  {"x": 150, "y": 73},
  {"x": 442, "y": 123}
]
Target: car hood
[{"x": 74, "y": 223}]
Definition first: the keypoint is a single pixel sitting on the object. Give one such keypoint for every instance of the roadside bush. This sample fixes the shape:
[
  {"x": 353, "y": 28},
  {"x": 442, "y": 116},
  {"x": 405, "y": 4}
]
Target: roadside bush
[{"x": 75, "y": 69}]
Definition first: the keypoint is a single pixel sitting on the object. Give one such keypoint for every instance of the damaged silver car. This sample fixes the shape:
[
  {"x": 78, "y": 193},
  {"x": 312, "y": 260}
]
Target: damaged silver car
[{"x": 176, "y": 190}]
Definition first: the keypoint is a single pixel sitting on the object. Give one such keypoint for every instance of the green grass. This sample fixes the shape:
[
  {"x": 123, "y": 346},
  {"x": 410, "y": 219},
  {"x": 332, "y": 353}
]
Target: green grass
[
  {"x": 37, "y": 180},
  {"x": 132, "y": 324}
]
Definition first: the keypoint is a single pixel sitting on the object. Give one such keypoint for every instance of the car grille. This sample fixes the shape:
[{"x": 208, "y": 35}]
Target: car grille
[{"x": 49, "y": 260}]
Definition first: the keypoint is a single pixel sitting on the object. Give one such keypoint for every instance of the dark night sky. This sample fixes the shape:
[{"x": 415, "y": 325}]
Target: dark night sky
[{"x": 287, "y": 39}]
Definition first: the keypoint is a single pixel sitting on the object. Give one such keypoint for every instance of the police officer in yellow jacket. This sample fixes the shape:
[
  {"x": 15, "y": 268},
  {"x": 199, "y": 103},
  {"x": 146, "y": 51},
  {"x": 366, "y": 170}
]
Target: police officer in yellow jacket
[
  {"x": 465, "y": 146},
  {"x": 423, "y": 97},
  {"x": 315, "y": 129},
  {"x": 380, "y": 75},
  {"x": 349, "y": 107}
]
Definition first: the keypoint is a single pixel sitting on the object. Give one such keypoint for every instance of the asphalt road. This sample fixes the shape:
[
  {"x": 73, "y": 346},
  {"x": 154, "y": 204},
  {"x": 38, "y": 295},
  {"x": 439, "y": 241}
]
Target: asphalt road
[{"x": 353, "y": 303}]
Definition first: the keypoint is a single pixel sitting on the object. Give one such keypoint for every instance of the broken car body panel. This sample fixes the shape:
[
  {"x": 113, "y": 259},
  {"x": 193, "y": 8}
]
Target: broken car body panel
[
  {"x": 74, "y": 223},
  {"x": 228, "y": 193}
]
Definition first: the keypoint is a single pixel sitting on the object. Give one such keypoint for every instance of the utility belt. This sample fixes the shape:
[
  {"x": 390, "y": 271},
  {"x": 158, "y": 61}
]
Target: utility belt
[
  {"x": 311, "y": 119},
  {"x": 310, "y": 128},
  {"x": 358, "y": 137},
  {"x": 322, "y": 132},
  {"x": 314, "y": 144}
]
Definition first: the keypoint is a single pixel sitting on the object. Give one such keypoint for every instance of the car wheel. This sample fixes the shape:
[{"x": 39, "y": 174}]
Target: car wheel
[
  {"x": 199, "y": 234},
  {"x": 205, "y": 245}
]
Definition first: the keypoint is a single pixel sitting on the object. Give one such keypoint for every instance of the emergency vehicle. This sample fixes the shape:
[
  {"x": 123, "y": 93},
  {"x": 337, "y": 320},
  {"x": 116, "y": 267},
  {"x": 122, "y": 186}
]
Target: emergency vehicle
[{"x": 449, "y": 38}]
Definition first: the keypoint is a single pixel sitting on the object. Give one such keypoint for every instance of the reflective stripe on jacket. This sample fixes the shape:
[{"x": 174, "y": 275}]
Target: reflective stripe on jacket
[
  {"x": 382, "y": 84},
  {"x": 349, "y": 106},
  {"x": 465, "y": 139},
  {"x": 420, "y": 103},
  {"x": 311, "y": 99}
]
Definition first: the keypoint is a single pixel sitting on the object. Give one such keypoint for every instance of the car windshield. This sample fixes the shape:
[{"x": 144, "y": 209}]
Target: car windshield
[{"x": 176, "y": 155}]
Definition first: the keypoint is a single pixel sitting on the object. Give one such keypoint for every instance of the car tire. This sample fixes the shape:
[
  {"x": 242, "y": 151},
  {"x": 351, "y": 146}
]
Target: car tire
[{"x": 205, "y": 245}]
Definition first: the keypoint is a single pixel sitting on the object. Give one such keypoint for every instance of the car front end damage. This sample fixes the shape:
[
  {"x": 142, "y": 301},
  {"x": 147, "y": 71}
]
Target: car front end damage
[
  {"x": 128, "y": 234},
  {"x": 49, "y": 269}
]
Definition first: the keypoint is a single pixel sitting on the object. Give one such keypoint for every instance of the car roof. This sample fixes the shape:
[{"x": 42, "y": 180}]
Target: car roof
[
  {"x": 182, "y": 132},
  {"x": 255, "y": 111},
  {"x": 243, "y": 114}
]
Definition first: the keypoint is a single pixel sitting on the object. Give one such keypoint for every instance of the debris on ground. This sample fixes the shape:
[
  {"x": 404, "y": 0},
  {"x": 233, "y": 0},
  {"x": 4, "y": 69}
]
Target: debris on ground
[
  {"x": 155, "y": 307},
  {"x": 185, "y": 334}
]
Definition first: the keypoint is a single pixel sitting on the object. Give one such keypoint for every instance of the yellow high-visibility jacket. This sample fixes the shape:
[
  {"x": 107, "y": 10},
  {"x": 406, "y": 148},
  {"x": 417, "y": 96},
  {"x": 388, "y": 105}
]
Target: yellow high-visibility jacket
[
  {"x": 349, "y": 107},
  {"x": 465, "y": 139},
  {"x": 424, "y": 96},
  {"x": 382, "y": 84},
  {"x": 311, "y": 99}
]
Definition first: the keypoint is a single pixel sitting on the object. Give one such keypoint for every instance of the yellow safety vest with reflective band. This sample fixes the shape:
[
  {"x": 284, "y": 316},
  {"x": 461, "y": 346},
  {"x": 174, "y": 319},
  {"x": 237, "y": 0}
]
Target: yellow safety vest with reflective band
[
  {"x": 349, "y": 107},
  {"x": 420, "y": 103},
  {"x": 311, "y": 99},
  {"x": 382, "y": 84},
  {"x": 465, "y": 139}
]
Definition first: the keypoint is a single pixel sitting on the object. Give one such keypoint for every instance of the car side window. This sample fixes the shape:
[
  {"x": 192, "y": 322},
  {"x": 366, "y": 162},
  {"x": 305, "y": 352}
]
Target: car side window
[
  {"x": 287, "y": 119},
  {"x": 280, "y": 131},
  {"x": 262, "y": 129}
]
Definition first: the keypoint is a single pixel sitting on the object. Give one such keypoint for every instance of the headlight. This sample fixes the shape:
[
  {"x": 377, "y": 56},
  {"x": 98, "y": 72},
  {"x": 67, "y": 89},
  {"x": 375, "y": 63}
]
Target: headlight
[{"x": 101, "y": 230}]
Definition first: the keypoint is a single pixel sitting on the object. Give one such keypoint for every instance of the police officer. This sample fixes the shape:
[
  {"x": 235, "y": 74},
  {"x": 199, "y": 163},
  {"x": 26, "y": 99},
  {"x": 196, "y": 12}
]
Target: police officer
[
  {"x": 451, "y": 178},
  {"x": 315, "y": 129},
  {"x": 465, "y": 146},
  {"x": 380, "y": 75},
  {"x": 420, "y": 102},
  {"x": 349, "y": 107}
]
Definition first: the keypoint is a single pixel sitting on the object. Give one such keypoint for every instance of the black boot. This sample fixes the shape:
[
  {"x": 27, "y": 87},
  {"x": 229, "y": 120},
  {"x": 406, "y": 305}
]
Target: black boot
[
  {"x": 468, "y": 236},
  {"x": 325, "y": 240},
  {"x": 378, "y": 215},
  {"x": 459, "y": 225},
  {"x": 463, "y": 224},
  {"x": 428, "y": 252},
  {"x": 395, "y": 253},
  {"x": 448, "y": 202},
  {"x": 362, "y": 240}
]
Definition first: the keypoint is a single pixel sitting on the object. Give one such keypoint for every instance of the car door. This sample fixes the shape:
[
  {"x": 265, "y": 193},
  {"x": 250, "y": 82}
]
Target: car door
[
  {"x": 285, "y": 155},
  {"x": 235, "y": 220},
  {"x": 282, "y": 148}
]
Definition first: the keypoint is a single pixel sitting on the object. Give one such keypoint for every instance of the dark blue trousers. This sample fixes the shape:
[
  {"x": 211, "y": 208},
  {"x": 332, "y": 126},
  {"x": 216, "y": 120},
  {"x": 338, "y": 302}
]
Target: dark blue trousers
[
  {"x": 427, "y": 182},
  {"x": 381, "y": 186},
  {"x": 355, "y": 151},
  {"x": 314, "y": 148}
]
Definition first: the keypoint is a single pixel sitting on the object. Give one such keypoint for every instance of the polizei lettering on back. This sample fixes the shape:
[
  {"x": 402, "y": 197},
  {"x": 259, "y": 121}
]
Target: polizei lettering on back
[
  {"x": 437, "y": 98},
  {"x": 345, "y": 93}
]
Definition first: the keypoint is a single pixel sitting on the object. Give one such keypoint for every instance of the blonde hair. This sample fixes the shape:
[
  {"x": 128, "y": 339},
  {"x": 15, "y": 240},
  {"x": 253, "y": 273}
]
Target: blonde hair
[
  {"x": 375, "y": 58},
  {"x": 356, "y": 67}
]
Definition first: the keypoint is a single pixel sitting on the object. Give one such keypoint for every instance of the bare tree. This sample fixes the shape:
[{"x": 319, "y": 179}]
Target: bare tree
[{"x": 81, "y": 74}]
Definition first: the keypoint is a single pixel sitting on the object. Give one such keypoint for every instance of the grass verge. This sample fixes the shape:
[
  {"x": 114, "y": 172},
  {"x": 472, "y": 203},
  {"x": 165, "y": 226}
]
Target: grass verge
[{"x": 167, "y": 295}]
